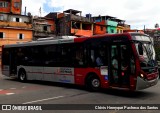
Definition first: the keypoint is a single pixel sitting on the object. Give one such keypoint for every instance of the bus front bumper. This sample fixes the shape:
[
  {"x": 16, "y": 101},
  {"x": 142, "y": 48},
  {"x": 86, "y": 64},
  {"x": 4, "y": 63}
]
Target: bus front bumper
[{"x": 142, "y": 84}]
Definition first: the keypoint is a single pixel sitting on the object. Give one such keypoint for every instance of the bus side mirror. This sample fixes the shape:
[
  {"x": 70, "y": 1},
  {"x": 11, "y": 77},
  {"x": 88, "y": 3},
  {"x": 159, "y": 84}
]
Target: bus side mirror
[{"x": 140, "y": 49}]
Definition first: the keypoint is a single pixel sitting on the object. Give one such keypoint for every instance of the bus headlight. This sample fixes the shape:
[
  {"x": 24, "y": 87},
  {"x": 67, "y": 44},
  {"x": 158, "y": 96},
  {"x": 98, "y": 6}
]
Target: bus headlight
[{"x": 142, "y": 76}]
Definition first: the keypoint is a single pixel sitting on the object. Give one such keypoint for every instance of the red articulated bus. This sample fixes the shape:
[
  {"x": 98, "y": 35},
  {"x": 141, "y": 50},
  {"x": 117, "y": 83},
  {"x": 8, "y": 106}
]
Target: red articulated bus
[{"x": 121, "y": 61}]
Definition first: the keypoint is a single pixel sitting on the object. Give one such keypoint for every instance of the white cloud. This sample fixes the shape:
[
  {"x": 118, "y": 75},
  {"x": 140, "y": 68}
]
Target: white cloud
[
  {"x": 33, "y": 6},
  {"x": 137, "y": 13}
]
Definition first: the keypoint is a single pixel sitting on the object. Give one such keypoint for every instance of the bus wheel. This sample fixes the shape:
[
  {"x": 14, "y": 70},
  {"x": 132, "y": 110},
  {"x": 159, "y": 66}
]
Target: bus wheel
[
  {"x": 22, "y": 76},
  {"x": 93, "y": 83}
]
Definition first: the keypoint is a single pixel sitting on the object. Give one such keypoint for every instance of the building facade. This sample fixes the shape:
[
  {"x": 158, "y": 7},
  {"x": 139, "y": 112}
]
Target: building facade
[
  {"x": 108, "y": 22},
  {"x": 43, "y": 27},
  {"x": 14, "y": 27},
  {"x": 111, "y": 26},
  {"x": 11, "y": 6},
  {"x": 71, "y": 22},
  {"x": 100, "y": 28},
  {"x": 120, "y": 25}
]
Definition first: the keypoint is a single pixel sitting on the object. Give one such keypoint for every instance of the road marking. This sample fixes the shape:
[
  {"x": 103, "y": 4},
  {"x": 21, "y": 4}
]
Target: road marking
[
  {"x": 43, "y": 100},
  {"x": 10, "y": 93},
  {"x": 24, "y": 87},
  {"x": 113, "y": 112},
  {"x": 12, "y": 88}
]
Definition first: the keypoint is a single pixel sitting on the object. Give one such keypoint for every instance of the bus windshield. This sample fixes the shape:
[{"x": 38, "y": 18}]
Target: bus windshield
[{"x": 146, "y": 53}]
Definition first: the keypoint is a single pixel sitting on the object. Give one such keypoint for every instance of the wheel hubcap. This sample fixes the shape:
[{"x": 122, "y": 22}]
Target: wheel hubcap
[
  {"x": 22, "y": 76},
  {"x": 95, "y": 83}
]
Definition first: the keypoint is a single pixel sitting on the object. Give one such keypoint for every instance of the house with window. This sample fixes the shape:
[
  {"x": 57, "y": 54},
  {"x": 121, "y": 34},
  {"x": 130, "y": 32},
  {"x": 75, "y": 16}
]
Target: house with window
[
  {"x": 14, "y": 27},
  {"x": 72, "y": 23},
  {"x": 11, "y": 6},
  {"x": 120, "y": 26},
  {"x": 43, "y": 27},
  {"x": 99, "y": 28},
  {"x": 108, "y": 21}
]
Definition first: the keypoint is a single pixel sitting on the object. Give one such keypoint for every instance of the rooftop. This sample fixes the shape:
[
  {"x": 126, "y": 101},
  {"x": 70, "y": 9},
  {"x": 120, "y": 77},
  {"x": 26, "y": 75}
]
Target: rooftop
[{"x": 72, "y": 11}]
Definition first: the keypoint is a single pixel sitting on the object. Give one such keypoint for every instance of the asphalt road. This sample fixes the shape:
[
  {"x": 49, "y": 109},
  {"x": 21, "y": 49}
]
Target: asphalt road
[{"x": 40, "y": 92}]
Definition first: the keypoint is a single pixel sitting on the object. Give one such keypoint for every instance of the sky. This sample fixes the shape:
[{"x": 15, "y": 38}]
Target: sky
[{"x": 137, "y": 13}]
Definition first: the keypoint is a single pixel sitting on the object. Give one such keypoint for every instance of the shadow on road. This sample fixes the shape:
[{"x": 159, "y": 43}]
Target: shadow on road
[
  {"x": 129, "y": 94},
  {"x": 47, "y": 83}
]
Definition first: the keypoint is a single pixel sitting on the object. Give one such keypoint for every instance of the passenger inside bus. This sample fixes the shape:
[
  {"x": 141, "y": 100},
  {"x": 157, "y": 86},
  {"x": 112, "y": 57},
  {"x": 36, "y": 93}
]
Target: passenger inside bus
[
  {"x": 115, "y": 68},
  {"x": 79, "y": 58},
  {"x": 99, "y": 59}
]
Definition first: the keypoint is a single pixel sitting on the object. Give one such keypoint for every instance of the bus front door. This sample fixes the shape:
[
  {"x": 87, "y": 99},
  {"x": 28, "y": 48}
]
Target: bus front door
[{"x": 119, "y": 66}]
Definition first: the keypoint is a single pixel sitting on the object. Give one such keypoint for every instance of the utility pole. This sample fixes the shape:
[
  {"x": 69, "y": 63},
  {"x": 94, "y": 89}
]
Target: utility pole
[
  {"x": 144, "y": 29},
  {"x": 40, "y": 11}
]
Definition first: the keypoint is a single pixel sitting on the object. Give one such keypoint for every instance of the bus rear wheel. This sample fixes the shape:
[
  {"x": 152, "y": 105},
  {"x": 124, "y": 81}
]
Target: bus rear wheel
[
  {"x": 22, "y": 76},
  {"x": 93, "y": 83}
]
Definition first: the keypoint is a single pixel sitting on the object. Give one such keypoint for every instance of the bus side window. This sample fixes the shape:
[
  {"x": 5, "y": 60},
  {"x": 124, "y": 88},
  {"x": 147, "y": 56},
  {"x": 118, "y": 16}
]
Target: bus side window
[
  {"x": 97, "y": 55},
  {"x": 6, "y": 56},
  {"x": 20, "y": 56},
  {"x": 66, "y": 55},
  {"x": 102, "y": 58},
  {"x": 90, "y": 54},
  {"x": 79, "y": 56},
  {"x": 36, "y": 53},
  {"x": 92, "y": 58}
]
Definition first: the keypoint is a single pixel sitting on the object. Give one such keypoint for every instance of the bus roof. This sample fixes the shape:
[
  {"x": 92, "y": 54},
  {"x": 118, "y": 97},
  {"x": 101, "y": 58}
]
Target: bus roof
[
  {"x": 40, "y": 42},
  {"x": 61, "y": 41}
]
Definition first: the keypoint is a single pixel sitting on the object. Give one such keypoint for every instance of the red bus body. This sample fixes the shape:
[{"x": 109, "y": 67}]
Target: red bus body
[{"x": 134, "y": 68}]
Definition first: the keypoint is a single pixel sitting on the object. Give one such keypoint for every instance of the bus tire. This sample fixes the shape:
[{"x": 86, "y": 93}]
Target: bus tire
[
  {"x": 22, "y": 76},
  {"x": 93, "y": 83}
]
